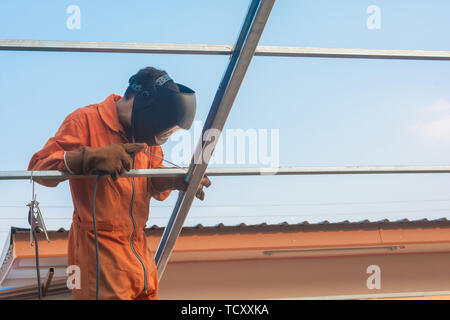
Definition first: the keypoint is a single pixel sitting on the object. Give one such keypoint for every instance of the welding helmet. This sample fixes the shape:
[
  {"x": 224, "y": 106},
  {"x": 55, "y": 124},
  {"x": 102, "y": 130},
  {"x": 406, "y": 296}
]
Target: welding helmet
[{"x": 159, "y": 111}]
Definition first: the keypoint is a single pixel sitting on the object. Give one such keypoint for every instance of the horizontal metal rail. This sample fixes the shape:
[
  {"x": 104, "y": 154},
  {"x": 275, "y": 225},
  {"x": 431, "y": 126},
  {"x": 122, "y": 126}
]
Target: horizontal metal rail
[
  {"x": 114, "y": 47},
  {"x": 314, "y": 52},
  {"x": 219, "y": 49},
  {"x": 226, "y": 172}
]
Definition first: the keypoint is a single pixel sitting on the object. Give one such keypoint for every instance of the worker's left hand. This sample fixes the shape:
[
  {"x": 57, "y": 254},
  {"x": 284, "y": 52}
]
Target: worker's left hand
[{"x": 178, "y": 183}]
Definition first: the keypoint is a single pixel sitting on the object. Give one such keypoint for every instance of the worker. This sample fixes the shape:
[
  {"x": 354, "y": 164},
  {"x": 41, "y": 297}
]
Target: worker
[{"x": 108, "y": 138}]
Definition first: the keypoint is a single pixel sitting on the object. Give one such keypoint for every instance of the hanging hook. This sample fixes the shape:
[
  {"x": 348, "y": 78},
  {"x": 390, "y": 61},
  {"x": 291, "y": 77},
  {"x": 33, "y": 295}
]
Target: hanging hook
[{"x": 35, "y": 218}]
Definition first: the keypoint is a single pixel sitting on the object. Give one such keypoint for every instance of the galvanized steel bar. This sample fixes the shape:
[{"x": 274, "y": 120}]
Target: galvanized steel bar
[
  {"x": 314, "y": 52},
  {"x": 218, "y": 172},
  {"x": 230, "y": 172},
  {"x": 114, "y": 47},
  {"x": 245, "y": 47},
  {"x": 219, "y": 49},
  {"x": 59, "y": 175}
]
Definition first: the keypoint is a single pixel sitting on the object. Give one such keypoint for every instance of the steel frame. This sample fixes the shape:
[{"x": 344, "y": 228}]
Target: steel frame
[
  {"x": 241, "y": 55},
  {"x": 227, "y": 172},
  {"x": 219, "y": 49}
]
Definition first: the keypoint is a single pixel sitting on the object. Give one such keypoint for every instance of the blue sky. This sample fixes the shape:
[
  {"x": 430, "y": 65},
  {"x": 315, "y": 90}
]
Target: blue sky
[{"x": 329, "y": 112}]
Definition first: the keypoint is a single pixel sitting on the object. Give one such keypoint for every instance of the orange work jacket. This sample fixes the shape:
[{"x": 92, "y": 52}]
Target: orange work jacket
[{"x": 127, "y": 266}]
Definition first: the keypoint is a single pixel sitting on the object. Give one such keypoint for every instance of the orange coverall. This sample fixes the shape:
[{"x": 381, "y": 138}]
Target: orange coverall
[{"x": 127, "y": 266}]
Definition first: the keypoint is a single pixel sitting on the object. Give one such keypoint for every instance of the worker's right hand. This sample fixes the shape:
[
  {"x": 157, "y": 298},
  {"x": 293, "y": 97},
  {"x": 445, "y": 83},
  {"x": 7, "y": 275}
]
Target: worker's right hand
[
  {"x": 162, "y": 184},
  {"x": 113, "y": 159}
]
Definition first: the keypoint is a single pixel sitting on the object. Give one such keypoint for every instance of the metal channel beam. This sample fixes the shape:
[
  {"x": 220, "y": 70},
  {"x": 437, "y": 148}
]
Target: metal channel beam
[
  {"x": 230, "y": 172},
  {"x": 245, "y": 47},
  {"x": 219, "y": 49},
  {"x": 114, "y": 47},
  {"x": 59, "y": 175},
  {"x": 314, "y": 52}
]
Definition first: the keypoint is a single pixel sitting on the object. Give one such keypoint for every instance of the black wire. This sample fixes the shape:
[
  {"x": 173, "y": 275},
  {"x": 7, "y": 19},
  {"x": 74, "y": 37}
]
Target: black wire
[
  {"x": 97, "y": 276},
  {"x": 263, "y": 205},
  {"x": 37, "y": 264},
  {"x": 36, "y": 248}
]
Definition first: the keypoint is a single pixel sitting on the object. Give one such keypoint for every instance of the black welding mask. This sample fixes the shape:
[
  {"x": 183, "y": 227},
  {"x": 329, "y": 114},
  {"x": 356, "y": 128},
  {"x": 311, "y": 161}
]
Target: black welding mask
[{"x": 159, "y": 111}]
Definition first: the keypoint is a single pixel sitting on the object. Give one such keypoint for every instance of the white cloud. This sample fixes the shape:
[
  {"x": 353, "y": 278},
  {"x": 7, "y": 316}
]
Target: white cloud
[
  {"x": 436, "y": 130},
  {"x": 434, "y": 124},
  {"x": 440, "y": 106}
]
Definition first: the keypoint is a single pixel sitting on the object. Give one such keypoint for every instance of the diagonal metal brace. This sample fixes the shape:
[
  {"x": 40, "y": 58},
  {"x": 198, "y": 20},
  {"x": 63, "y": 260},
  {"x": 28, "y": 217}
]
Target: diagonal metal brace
[{"x": 244, "y": 50}]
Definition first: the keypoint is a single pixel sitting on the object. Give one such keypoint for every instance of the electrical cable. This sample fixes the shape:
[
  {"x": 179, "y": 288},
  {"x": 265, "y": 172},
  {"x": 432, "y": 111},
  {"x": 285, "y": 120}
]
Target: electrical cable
[
  {"x": 251, "y": 205},
  {"x": 169, "y": 162},
  {"x": 288, "y": 215},
  {"x": 36, "y": 248},
  {"x": 97, "y": 270},
  {"x": 37, "y": 264}
]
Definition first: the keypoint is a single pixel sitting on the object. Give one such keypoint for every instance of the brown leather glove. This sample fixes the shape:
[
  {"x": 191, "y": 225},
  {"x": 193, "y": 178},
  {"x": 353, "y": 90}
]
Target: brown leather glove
[
  {"x": 113, "y": 159},
  {"x": 178, "y": 183}
]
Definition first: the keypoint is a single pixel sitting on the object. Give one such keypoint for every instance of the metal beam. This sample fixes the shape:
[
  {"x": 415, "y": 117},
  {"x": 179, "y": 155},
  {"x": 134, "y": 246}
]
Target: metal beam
[
  {"x": 252, "y": 28},
  {"x": 219, "y": 49},
  {"x": 314, "y": 52},
  {"x": 114, "y": 47},
  {"x": 59, "y": 175},
  {"x": 420, "y": 294},
  {"x": 230, "y": 172}
]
